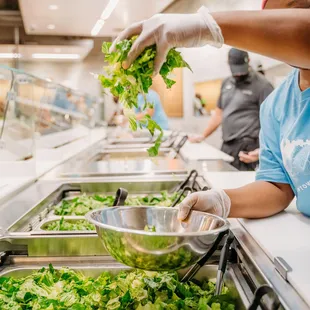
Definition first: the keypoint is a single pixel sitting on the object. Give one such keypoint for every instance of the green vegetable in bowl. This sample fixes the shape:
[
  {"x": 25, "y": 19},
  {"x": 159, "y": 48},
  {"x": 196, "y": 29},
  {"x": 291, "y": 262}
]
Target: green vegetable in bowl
[
  {"x": 69, "y": 225},
  {"x": 128, "y": 83},
  {"x": 66, "y": 289}
]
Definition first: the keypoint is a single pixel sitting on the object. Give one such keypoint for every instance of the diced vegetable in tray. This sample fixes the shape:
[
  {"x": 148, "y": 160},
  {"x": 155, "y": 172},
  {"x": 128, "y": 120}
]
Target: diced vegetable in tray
[
  {"x": 69, "y": 225},
  {"x": 82, "y": 204},
  {"x": 66, "y": 289}
]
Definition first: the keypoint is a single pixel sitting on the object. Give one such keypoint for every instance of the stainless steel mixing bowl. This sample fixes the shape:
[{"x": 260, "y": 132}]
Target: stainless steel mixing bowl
[{"x": 173, "y": 246}]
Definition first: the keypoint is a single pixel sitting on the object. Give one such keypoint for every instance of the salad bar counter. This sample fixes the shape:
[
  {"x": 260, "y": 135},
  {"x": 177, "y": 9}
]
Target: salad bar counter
[{"x": 59, "y": 239}]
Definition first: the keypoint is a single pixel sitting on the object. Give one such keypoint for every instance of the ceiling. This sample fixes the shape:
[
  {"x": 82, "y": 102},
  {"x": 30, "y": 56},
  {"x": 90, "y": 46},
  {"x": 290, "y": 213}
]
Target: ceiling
[{"x": 77, "y": 17}]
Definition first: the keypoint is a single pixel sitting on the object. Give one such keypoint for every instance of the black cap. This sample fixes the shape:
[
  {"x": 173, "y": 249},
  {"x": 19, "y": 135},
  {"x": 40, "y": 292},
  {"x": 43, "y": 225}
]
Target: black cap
[{"x": 238, "y": 61}]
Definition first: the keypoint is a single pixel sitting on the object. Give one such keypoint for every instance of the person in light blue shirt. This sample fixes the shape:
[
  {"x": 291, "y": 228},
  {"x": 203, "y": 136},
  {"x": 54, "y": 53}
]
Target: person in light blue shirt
[
  {"x": 285, "y": 139},
  {"x": 157, "y": 112}
]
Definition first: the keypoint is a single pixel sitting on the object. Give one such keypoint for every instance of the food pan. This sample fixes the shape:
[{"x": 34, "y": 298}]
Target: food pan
[{"x": 207, "y": 272}]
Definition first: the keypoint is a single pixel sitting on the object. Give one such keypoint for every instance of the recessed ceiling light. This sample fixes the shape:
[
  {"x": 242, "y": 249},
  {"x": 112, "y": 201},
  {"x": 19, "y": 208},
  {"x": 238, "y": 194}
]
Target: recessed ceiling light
[
  {"x": 97, "y": 27},
  {"x": 55, "y": 56},
  {"x": 10, "y": 55},
  {"x": 53, "y": 7},
  {"x": 51, "y": 26},
  {"x": 104, "y": 16}
]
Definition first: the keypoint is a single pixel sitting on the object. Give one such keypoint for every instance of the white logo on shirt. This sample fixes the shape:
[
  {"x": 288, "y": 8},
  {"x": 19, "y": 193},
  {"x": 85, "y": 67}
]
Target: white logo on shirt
[{"x": 296, "y": 157}]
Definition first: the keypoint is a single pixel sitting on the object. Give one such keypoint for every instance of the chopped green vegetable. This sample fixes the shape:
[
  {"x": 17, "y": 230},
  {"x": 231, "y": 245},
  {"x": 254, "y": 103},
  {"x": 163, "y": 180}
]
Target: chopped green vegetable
[
  {"x": 82, "y": 204},
  {"x": 65, "y": 289},
  {"x": 128, "y": 83},
  {"x": 69, "y": 225},
  {"x": 150, "y": 228}
]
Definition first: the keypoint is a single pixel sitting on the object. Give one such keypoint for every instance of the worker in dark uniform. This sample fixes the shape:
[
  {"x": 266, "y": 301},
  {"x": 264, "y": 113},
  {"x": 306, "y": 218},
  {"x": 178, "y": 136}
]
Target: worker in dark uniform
[{"x": 238, "y": 109}]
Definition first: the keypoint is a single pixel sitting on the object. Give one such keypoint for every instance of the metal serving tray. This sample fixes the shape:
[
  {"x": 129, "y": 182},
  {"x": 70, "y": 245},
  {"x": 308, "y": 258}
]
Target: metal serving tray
[
  {"x": 26, "y": 232},
  {"x": 207, "y": 272},
  {"x": 126, "y": 167},
  {"x": 137, "y": 154}
]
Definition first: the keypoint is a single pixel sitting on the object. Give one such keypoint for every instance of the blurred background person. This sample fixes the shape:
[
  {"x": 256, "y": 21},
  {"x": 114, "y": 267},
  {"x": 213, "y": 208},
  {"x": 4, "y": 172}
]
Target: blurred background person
[
  {"x": 63, "y": 99},
  {"x": 199, "y": 105},
  {"x": 117, "y": 116},
  {"x": 238, "y": 110},
  {"x": 157, "y": 112}
]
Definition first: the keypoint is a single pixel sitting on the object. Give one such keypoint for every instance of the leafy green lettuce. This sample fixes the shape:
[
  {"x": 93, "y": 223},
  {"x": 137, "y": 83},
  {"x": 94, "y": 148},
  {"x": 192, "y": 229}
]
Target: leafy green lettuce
[
  {"x": 65, "y": 289},
  {"x": 69, "y": 225},
  {"x": 128, "y": 83},
  {"x": 82, "y": 204}
]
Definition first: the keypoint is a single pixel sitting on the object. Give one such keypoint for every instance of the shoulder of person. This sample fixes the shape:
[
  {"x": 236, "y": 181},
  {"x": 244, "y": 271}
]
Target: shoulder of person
[
  {"x": 275, "y": 103},
  {"x": 260, "y": 78},
  {"x": 152, "y": 96},
  {"x": 227, "y": 81}
]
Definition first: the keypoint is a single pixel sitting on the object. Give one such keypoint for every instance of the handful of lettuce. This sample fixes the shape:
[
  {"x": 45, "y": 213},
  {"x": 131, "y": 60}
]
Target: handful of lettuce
[{"x": 128, "y": 83}]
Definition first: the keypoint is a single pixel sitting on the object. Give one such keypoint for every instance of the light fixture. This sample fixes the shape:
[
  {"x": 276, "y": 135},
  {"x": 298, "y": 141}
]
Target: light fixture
[
  {"x": 104, "y": 16},
  {"x": 53, "y": 7},
  {"x": 109, "y": 9},
  {"x": 55, "y": 56},
  {"x": 51, "y": 26},
  {"x": 10, "y": 55},
  {"x": 97, "y": 27}
]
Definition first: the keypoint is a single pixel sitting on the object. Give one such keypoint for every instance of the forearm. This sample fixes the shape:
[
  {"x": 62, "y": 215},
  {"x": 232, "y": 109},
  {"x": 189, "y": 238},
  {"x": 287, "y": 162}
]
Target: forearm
[
  {"x": 259, "y": 199},
  {"x": 213, "y": 124},
  {"x": 273, "y": 33}
]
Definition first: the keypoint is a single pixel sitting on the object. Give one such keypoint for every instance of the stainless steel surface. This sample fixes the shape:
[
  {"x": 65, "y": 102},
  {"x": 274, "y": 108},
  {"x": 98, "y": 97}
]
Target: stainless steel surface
[
  {"x": 218, "y": 165},
  {"x": 94, "y": 270},
  {"x": 261, "y": 269},
  {"x": 174, "y": 245},
  {"x": 127, "y": 161},
  {"x": 282, "y": 267},
  {"x": 137, "y": 154},
  {"x": 20, "y": 228}
]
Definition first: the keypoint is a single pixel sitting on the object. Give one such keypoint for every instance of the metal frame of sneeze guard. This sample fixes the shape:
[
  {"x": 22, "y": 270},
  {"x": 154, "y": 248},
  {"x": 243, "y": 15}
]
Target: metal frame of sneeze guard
[{"x": 40, "y": 124}]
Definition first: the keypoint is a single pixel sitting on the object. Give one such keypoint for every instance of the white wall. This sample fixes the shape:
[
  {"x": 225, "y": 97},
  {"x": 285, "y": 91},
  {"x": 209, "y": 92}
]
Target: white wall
[{"x": 209, "y": 63}]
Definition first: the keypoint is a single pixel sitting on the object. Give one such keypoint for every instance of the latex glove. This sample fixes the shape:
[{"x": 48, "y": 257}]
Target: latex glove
[
  {"x": 251, "y": 157},
  {"x": 214, "y": 201},
  {"x": 171, "y": 30},
  {"x": 196, "y": 139}
]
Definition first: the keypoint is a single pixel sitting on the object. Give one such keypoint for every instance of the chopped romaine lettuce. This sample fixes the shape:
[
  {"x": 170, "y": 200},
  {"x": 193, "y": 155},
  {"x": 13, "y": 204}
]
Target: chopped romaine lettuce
[
  {"x": 69, "y": 225},
  {"x": 82, "y": 204},
  {"x": 65, "y": 289},
  {"x": 128, "y": 83}
]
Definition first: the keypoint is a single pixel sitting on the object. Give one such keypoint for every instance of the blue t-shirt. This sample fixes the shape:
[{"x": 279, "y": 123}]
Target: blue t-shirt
[
  {"x": 285, "y": 139},
  {"x": 159, "y": 115}
]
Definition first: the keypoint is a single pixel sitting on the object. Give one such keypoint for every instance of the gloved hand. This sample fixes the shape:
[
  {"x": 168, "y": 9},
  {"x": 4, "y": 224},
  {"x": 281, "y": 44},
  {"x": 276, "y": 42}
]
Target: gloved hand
[
  {"x": 171, "y": 30},
  {"x": 196, "y": 139},
  {"x": 214, "y": 201}
]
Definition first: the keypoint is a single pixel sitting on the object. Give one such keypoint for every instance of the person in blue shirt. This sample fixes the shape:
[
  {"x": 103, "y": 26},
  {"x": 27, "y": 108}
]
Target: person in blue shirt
[
  {"x": 285, "y": 115},
  {"x": 157, "y": 112},
  {"x": 63, "y": 99}
]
